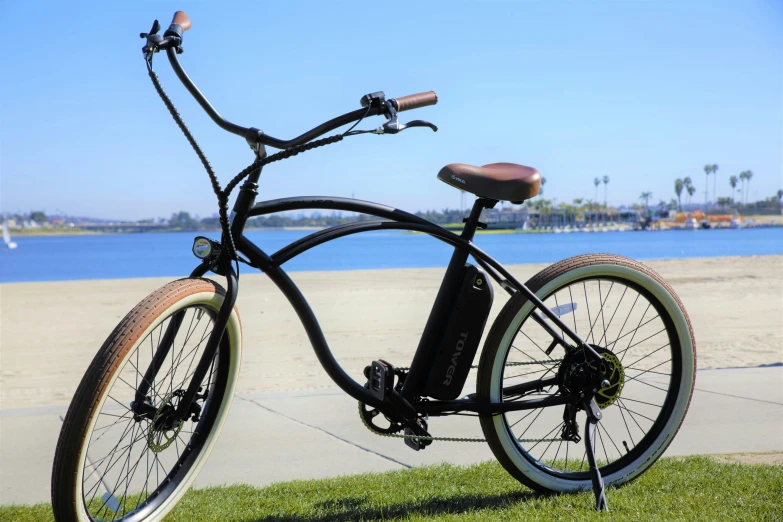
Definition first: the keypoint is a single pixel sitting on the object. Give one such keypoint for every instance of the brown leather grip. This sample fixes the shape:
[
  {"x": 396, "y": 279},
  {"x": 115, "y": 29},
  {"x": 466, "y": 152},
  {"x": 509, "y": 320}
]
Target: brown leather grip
[
  {"x": 415, "y": 101},
  {"x": 182, "y": 20}
]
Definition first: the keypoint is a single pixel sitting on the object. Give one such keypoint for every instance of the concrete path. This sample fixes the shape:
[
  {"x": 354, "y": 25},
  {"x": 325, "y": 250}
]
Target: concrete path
[{"x": 283, "y": 436}]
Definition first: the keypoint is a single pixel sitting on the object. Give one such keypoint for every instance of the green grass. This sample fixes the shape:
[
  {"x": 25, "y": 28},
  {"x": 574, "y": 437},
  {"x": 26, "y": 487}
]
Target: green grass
[{"x": 688, "y": 489}]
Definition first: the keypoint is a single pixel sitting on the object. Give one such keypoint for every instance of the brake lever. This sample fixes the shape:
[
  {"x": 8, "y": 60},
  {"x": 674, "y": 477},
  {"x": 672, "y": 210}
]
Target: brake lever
[
  {"x": 421, "y": 123},
  {"x": 393, "y": 126}
]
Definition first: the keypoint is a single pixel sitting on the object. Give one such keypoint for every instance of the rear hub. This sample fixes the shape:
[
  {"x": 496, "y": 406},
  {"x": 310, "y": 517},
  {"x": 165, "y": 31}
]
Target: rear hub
[{"x": 604, "y": 378}]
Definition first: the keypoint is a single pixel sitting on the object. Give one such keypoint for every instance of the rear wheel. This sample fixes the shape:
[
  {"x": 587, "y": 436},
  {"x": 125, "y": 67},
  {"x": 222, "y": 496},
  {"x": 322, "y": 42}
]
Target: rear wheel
[
  {"x": 627, "y": 313},
  {"x": 113, "y": 465}
]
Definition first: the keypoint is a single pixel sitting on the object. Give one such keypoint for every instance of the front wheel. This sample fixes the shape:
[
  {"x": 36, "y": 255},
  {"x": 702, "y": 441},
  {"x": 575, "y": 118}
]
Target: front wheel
[
  {"x": 112, "y": 464},
  {"x": 627, "y": 313}
]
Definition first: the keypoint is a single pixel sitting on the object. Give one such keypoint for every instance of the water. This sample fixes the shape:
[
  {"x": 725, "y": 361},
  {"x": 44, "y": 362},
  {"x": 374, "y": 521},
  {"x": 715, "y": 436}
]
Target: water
[{"x": 168, "y": 254}]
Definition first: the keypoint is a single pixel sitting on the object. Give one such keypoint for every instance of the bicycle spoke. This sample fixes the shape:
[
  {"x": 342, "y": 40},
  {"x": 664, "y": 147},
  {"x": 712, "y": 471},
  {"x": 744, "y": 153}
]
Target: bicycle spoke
[
  {"x": 589, "y": 320},
  {"x": 531, "y": 424},
  {"x": 613, "y": 314},
  {"x": 545, "y": 437},
  {"x": 597, "y": 429},
  {"x": 646, "y": 384},
  {"x": 620, "y": 333},
  {"x": 574, "y": 314},
  {"x": 601, "y": 311},
  {"x": 635, "y": 331},
  {"x": 612, "y": 441},
  {"x": 643, "y": 402},
  {"x": 523, "y": 418},
  {"x": 537, "y": 346},
  {"x": 633, "y": 413}
]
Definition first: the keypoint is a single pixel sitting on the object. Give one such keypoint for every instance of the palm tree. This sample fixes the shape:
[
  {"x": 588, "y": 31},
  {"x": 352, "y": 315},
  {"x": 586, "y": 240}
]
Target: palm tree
[
  {"x": 691, "y": 191},
  {"x": 743, "y": 176},
  {"x": 541, "y": 190},
  {"x": 589, "y": 204},
  {"x": 678, "y": 186},
  {"x": 645, "y": 196},
  {"x": 606, "y": 182},
  {"x": 596, "y": 182},
  {"x": 687, "y": 182},
  {"x": 733, "y": 182},
  {"x": 748, "y": 175},
  {"x": 714, "y": 180},
  {"x": 707, "y": 172}
]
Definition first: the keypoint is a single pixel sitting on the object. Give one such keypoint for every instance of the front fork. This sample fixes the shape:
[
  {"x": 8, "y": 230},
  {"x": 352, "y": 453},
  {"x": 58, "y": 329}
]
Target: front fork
[{"x": 140, "y": 405}]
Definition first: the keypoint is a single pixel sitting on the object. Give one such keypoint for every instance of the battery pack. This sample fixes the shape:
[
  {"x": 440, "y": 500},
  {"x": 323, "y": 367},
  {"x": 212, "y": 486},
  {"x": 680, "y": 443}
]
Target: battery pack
[{"x": 461, "y": 337}]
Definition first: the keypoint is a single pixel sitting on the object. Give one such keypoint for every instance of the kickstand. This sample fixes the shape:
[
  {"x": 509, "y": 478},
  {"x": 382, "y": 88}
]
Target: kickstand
[{"x": 593, "y": 416}]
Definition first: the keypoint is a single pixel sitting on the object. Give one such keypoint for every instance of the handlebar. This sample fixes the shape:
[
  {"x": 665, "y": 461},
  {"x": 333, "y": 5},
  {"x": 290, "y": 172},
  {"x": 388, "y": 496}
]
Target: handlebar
[
  {"x": 181, "y": 23},
  {"x": 182, "y": 20},
  {"x": 415, "y": 101}
]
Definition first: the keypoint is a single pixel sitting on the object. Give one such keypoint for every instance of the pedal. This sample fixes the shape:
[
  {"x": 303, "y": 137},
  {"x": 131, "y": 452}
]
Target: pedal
[
  {"x": 381, "y": 379},
  {"x": 421, "y": 429}
]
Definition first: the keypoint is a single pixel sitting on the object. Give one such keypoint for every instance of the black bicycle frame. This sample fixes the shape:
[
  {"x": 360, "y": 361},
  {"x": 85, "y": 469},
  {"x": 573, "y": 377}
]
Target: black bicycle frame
[
  {"x": 403, "y": 405},
  {"x": 392, "y": 219}
]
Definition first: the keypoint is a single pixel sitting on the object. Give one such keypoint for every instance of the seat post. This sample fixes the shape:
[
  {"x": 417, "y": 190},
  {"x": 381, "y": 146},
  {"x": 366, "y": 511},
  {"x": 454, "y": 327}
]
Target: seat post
[{"x": 472, "y": 222}]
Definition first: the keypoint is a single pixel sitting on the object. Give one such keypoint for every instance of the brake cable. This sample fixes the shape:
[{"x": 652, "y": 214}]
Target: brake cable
[{"x": 222, "y": 194}]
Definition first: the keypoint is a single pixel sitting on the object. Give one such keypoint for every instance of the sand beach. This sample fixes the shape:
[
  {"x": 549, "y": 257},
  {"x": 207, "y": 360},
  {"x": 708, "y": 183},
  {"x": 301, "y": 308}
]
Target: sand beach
[{"x": 50, "y": 331}]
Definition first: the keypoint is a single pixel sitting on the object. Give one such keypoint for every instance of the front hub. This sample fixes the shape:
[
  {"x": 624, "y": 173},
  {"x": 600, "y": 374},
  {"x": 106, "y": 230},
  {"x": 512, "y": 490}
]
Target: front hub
[
  {"x": 162, "y": 431},
  {"x": 604, "y": 379}
]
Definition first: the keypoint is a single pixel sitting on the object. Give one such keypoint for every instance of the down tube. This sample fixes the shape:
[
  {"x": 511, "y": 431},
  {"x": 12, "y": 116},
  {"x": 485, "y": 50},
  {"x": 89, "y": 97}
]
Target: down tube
[{"x": 310, "y": 323}]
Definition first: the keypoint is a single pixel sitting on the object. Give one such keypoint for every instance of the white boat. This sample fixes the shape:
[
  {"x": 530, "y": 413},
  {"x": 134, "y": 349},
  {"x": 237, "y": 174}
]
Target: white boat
[
  {"x": 736, "y": 223},
  {"x": 7, "y": 237},
  {"x": 691, "y": 224}
]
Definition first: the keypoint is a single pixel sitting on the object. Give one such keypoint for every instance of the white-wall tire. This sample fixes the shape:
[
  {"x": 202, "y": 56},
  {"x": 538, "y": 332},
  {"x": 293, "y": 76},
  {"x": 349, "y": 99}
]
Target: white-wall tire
[
  {"x": 511, "y": 453},
  {"x": 71, "y": 464}
]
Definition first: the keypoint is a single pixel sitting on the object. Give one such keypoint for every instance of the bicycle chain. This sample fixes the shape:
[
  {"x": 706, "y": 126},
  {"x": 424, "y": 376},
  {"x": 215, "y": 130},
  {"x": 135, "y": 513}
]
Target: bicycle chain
[{"x": 454, "y": 439}]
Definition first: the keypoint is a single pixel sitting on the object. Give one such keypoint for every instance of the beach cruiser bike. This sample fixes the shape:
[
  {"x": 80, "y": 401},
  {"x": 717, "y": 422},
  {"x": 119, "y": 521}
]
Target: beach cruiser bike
[{"x": 583, "y": 381}]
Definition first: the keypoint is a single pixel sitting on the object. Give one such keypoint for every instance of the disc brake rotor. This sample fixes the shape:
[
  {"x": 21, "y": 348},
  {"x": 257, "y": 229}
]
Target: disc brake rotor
[
  {"x": 616, "y": 377},
  {"x": 158, "y": 439}
]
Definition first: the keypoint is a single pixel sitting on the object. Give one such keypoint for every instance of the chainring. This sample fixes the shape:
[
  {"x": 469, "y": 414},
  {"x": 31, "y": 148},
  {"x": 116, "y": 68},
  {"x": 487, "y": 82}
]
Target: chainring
[{"x": 368, "y": 415}]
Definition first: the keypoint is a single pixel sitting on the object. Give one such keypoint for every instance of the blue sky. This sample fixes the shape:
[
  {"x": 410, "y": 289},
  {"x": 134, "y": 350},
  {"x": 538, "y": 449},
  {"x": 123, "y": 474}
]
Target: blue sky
[{"x": 643, "y": 92}]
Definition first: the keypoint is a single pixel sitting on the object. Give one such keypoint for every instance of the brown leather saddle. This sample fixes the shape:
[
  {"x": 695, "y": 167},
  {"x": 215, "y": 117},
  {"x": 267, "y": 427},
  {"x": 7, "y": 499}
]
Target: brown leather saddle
[{"x": 499, "y": 181}]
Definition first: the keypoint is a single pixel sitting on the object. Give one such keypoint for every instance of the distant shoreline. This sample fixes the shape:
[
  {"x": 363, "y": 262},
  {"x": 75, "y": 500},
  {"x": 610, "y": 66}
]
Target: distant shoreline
[
  {"x": 492, "y": 231},
  {"x": 46, "y": 232}
]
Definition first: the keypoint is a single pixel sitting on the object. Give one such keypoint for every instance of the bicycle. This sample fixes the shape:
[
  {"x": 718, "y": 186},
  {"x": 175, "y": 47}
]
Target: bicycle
[{"x": 152, "y": 403}]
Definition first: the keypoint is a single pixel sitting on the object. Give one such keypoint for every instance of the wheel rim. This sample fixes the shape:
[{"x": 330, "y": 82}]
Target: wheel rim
[
  {"x": 130, "y": 468},
  {"x": 630, "y": 322}
]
